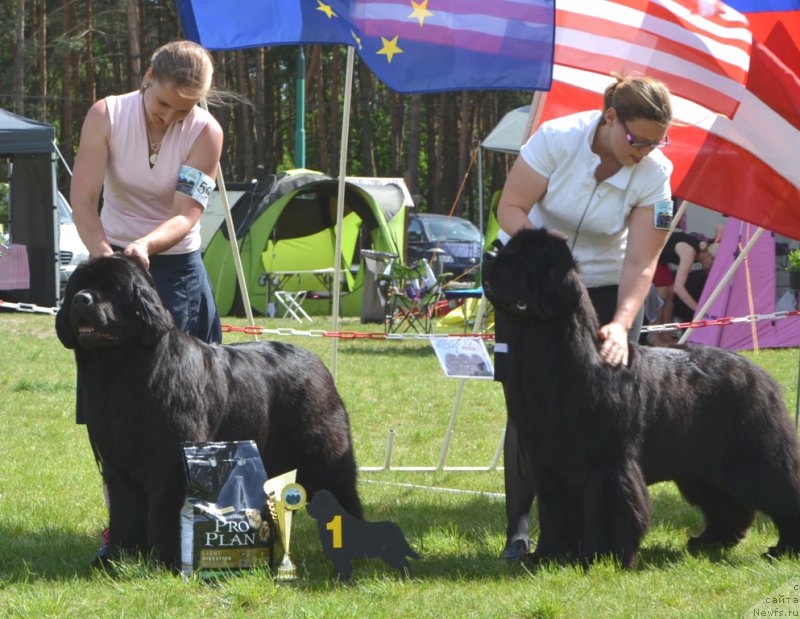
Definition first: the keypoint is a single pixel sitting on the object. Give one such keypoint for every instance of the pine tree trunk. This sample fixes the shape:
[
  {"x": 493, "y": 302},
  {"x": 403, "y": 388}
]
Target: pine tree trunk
[
  {"x": 67, "y": 110},
  {"x": 134, "y": 50},
  {"x": 412, "y": 166},
  {"x": 463, "y": 149},
  {"x": 19, "y": 60},
  {"x": 43, "y": 107},
  {"x": 366, "y": 96}
]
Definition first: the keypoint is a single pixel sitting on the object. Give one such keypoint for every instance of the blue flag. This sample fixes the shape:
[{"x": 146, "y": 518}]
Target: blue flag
[{"x": 412, "y": 46}]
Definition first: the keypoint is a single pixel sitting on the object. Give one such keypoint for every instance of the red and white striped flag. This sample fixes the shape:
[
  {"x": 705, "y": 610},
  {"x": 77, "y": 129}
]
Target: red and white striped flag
[
  {"x": 744, "y": 166},
  {"x": 699, "y": 48}
]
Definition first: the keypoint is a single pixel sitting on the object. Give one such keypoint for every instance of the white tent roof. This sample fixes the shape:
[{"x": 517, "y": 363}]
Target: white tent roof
[{"x": 509, "y": 134}]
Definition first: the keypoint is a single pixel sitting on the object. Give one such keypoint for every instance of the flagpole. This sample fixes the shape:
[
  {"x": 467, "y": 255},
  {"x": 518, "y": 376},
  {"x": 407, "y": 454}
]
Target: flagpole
[
  {"x": 535, "y": 114},
  {"x": 337, "y": 265},
  {"x": 237, "y": 259}
]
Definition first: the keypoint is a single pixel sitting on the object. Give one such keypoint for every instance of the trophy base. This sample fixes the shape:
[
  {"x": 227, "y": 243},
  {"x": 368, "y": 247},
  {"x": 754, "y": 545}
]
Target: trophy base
[{"x": 287, "y": 571}]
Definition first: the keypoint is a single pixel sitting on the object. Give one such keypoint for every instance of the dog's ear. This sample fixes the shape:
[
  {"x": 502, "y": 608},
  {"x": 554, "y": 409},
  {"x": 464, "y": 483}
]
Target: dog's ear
[
  {"x": 559, "y": 281},
  {"x": 566, "y": 291},
  {"x": 64, "y": 329},
  {"x": 149, "y": 309}
]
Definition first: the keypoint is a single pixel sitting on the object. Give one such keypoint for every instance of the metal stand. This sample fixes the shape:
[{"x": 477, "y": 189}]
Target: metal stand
[{"x": 387, "y": 463}]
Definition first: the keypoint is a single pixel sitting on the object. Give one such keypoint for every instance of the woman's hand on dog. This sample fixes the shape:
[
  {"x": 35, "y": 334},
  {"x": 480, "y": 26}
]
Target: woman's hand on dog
[
  {"x": 614, "y": 349},
  {"x": 138, "y": 251}
]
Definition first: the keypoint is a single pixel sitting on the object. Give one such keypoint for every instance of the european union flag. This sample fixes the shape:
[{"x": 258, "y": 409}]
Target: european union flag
[{"x": 413, "y": 46}]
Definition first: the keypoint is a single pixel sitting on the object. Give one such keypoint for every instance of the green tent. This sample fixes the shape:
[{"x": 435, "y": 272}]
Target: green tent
[
  {"x": 492, "y": 225},
  {"x": 292, "y": 227}
]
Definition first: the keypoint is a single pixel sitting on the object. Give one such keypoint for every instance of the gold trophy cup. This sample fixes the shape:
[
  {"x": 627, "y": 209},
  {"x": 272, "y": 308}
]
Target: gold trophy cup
[{"x": 284, "y": 496}]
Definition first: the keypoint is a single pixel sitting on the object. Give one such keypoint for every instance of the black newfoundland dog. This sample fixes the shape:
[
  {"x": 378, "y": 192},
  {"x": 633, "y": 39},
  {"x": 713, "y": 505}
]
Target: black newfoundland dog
[
  {"x": 596, "y": 435},
  {"x": 146, "y": 387}
]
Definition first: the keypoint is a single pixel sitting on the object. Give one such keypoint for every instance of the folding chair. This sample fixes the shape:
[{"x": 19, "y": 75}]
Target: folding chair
[
  {"x": 292, "y": 303},
  {"x": 412, "y": 294}
]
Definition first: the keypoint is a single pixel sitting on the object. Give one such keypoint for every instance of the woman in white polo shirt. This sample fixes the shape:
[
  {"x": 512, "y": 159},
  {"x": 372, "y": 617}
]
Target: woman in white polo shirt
[{"x": 596, "y": 178}]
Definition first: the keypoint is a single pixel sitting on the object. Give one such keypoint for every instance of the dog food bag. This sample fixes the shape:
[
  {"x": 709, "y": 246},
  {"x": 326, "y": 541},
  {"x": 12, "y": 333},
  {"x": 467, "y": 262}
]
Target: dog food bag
[{"x": 225, "y": 525}]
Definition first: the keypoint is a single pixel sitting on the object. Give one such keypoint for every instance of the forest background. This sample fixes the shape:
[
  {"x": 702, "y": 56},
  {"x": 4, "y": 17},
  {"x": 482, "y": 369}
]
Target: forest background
[{"x": 58, "y": 57}]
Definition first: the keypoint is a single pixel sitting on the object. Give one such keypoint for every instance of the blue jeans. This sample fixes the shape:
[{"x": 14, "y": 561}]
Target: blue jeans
[{"x": 183, "y": 285}]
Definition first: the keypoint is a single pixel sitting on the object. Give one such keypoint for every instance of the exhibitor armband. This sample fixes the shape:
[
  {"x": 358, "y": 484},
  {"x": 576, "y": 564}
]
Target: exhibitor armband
[{"x": 195, "y": 184}]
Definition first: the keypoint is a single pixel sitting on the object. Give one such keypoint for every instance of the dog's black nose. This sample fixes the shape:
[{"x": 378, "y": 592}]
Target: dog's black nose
[{"x": 82, "y": 298}]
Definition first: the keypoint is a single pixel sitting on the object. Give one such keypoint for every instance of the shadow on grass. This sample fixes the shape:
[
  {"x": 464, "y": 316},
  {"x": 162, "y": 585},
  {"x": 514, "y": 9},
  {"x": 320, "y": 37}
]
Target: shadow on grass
[
  {"x": 400, "y": 350},
  {"x": 46, "y": 555},
  {"x": 456, "y": 540}
]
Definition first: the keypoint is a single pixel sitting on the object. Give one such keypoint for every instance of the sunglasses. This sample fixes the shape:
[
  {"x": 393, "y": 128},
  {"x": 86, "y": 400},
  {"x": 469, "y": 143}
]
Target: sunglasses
[{"x": 640, "y": 144}]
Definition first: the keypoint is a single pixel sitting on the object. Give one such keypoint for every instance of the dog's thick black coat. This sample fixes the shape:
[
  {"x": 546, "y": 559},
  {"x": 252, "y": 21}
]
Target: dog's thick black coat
[
  {"x": 146, "y": 387},
  {"x": 345, "y": 538},
  {"x": 596, "y": 435}
]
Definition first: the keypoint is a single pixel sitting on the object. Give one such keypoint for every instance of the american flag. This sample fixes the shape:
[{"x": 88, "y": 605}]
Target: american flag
[
  {"x": 744, "y": 165},
  {"x": 700, "y": 48}
]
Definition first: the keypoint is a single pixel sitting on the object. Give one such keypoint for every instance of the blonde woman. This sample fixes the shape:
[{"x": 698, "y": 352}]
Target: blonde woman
[{"x": 153, "y": 155}]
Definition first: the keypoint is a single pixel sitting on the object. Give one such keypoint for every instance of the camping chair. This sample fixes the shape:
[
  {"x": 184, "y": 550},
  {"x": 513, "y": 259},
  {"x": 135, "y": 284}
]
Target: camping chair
[
  {"x": 292, "y": 303},
  {"x": 411, "y": 295}
]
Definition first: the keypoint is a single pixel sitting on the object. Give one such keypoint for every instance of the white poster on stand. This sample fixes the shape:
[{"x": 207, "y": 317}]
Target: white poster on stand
[{"x": 463, "y": 357}]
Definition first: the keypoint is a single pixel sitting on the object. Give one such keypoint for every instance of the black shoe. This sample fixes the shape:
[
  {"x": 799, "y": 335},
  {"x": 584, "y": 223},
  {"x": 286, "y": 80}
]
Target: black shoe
[{"x": 516, "y": 550}]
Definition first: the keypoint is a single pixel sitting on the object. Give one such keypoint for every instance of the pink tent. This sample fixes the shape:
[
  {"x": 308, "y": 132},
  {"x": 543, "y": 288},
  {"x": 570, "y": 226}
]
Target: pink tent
[{"x": 734, "y": 299}]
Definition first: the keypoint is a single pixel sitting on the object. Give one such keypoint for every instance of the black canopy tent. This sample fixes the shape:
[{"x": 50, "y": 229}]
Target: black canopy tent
[{"x": 30, "y": 146}]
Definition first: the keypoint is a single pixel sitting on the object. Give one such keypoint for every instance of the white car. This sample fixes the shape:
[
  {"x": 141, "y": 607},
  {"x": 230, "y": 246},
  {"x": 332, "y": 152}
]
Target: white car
[{"x": 71, "y": 250}]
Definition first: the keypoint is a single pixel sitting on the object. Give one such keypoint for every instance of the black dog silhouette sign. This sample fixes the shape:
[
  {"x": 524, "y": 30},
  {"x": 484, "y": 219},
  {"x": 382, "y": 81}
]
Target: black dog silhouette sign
[{"x": 345, "y": 538}]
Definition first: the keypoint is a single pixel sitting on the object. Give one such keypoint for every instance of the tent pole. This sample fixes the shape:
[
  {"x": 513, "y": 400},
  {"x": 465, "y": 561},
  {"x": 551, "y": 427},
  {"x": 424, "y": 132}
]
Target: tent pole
[
  {"x": 56, "y": 228},
  {"x": 61, "y": 157},
  {"x": 677, "y": 216},
  {"x": 750, "y": 303},
  {"x": 237, "y": 259},
  {"x": 337, "y": 266},
  {"x": 723, "y": 282}
]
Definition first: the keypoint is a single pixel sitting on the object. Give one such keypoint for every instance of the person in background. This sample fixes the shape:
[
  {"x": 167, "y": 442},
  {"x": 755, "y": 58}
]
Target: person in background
[
  {"x": 682, "y": 251},
  {"x": 153, "y": 155},
  {"x": 598, "y": 179},
  {"x": 695, "y": 283}
]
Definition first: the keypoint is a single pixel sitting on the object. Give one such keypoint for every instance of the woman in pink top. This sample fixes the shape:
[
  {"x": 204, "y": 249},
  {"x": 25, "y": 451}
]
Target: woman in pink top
[
  {"x": 134, "y": 150},
  {"x": 153, "y": 155}
]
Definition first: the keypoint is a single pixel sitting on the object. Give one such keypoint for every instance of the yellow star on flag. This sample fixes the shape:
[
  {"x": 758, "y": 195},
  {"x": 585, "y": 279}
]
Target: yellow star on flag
[
  {"x": 420, "y": 11},
  {"x": 357, "y": 39},
  {"x": 390, "y": 48},
  {"x": 326, "y": 8}
]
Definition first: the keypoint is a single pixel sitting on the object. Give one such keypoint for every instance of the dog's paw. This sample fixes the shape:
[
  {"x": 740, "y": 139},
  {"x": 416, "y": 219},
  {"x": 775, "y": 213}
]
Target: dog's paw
[
  {"x": 779, "y": 552},
  {"x": 538, "y": 557}
]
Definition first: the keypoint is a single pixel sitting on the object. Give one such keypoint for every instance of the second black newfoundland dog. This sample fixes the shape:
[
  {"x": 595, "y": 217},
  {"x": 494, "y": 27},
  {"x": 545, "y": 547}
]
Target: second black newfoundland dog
[
  {"x": 596, "y": 436},
  {"x": 146, "y": 387}
]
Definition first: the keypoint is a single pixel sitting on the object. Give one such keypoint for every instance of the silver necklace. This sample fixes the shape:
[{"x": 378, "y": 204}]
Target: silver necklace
[{"x": 154, "y": 148}]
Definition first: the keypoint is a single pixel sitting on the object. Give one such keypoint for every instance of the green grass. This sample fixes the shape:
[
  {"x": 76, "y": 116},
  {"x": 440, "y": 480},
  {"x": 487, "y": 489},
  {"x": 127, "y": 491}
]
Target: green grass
[{"x": 52, "y": 510}]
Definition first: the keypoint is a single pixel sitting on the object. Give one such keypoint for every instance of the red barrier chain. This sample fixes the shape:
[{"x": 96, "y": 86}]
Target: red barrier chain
[{"x": 360, "y": 335}]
